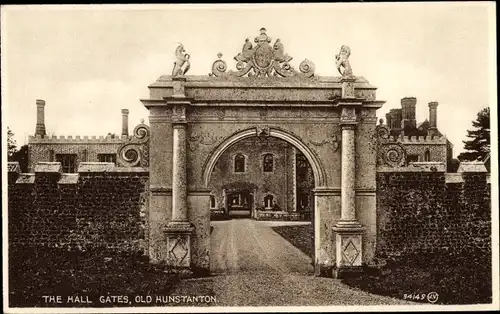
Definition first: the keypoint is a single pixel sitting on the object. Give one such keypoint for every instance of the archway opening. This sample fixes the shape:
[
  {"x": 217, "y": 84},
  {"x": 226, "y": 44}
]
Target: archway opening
[{"x": 268, "y": 182}]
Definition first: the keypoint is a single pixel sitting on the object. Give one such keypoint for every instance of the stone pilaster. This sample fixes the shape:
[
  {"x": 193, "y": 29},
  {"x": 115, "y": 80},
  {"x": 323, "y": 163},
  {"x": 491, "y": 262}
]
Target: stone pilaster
[
  {"x": 348, "y": 231},
  {"x": 179, "y": 229}
]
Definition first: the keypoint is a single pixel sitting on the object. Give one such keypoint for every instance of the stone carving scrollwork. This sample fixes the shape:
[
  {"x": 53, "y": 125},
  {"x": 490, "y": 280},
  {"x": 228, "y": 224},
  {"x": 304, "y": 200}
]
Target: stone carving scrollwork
[
  {"x": 389, "y": 152},
  {"x": 219, "y": 66},
  {"x": 262, "y": 60},
  {"x": 393, "y": 155},
  {"x": 332, "y": 140},
  {"x": 196, "y": 139},
  {"x": 382, "y": 131},
  {"x": 135, "y": 152}
]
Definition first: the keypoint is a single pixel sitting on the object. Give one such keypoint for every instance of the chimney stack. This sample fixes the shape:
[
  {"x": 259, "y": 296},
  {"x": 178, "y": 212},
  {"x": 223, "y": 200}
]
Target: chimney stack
[
  {"x": 408, "y": 105},
  {"x": 40, "y": 118},
  {"x": 125, "y": 122},
  {"x": 433, "y": 114},
  {"x": 432, "y": 119}
]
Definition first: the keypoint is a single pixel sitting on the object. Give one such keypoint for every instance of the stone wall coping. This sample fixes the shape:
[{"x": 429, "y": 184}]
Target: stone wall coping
[
  {"x": 420, "y": 166},
  {"x": 96, "y": 167},
  {"x": 48, "y": 166},
  {"x": 13, "y": 166},
  {"x": 78, "y": 139},
  {"x": 423, "y": 139},
  {"x": 131, "y": 170},
  {"x": 260, "y": 82},
  {"x": 26, "y": 178},
  {"x": 454, "y": 178},
  {"x": 72, "y": 178},
  {"x": 109, "y": 168},
  {"x": 472, "y": 166},
  {"x": 69, "y": 178}
]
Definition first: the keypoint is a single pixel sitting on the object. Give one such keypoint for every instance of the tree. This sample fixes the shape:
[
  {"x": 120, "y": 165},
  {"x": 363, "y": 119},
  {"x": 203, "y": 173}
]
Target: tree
[
  {"x": 478, "y": 147},
  {"x": 21, "y": 156},
  {"x": 11, "y": 143}
]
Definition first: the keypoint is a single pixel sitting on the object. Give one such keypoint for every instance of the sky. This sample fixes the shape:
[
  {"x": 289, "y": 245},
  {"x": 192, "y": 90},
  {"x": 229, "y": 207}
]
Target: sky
[{"x": 89, "y": 62}]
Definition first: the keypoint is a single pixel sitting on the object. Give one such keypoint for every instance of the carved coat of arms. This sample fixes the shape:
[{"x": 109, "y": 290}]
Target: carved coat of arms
[{"x": 263, "y": 60}]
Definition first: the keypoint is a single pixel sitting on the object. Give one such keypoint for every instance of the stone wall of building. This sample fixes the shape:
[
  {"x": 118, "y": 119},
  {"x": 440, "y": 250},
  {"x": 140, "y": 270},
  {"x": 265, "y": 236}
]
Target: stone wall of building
[
  {"x": 278, "y": 183},
  {"x": 426, "y": 210},
  {"x": 419, "y": 146},
  {"x": 100, "y": 207},
  {"x": 43, "y": 149}
]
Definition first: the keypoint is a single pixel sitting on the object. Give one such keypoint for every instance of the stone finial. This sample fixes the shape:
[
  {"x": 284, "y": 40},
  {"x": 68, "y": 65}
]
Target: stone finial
[
  {"x": 342, "y": 61},
  {"x": 182, "y": 63}
]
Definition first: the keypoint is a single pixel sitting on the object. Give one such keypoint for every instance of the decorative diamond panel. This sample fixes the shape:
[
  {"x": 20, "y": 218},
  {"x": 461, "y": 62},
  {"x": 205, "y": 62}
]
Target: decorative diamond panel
[
  {"x": 350, "y": 253},
  {"x": 178, "y": 251}
]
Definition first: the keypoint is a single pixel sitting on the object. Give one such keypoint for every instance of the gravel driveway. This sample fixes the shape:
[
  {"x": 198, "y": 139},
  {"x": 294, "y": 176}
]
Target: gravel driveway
[{"x": 254, "y": 266}]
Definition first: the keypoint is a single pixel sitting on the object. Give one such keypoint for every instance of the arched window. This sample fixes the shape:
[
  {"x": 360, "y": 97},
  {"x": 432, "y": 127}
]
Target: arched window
[
  {"x": 268, "y": 201},
  {"x": 268, "y": 163},
  {"x": 427, "y": 155},
  {"x": 212, "y": 201},
  {"x": 239, "y": 163}
]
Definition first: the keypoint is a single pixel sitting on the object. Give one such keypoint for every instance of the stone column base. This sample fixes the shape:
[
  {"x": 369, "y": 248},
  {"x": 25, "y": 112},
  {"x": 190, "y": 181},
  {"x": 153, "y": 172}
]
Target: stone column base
[
  {"x": 179, "y": 245},
  {"x": 348, "y": 248}
]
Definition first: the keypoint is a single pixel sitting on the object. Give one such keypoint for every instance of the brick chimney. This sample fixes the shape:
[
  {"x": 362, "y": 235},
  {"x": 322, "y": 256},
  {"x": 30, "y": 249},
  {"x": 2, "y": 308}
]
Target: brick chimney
[
  {"x": 40, "y": 118},
  {"x": 433, "y": 118},
  {"x": 408, "y": 105},
  {"x": 125, "y": 122},
  {"x": 433, "y": 114}
]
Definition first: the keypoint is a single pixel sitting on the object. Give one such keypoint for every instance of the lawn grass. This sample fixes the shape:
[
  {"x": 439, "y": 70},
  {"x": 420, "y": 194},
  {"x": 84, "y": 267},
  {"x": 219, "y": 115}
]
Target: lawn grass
[
  {"x": 458, "y": 279},
  {"x": 301, "y": 236},
  {"x": 35, "y": 272}
]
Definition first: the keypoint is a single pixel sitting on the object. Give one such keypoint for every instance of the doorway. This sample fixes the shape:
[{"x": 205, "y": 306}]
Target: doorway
[{"x": 239, "y": 204}]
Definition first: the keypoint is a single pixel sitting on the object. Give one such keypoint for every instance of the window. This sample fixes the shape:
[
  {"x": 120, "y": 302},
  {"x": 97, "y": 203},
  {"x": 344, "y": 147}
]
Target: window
[
  {"x": 107, "y": 158},
  {"x": 427, "y": 156},
  {"x": 68, "y": 162},
  {"x": 239, "y": 163},
  {"x": 268, "y": 164},
  {"x": 212, "y": 201},
  {"x": 268, "y": 201}
]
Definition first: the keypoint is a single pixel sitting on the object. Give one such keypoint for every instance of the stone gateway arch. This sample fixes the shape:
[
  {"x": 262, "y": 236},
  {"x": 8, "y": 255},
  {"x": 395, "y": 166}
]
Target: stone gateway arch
[{"x": 330, "y": 120}]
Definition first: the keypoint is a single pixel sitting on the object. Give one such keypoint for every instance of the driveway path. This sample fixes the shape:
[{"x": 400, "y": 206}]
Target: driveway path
[{"x": 254, "y": 266}]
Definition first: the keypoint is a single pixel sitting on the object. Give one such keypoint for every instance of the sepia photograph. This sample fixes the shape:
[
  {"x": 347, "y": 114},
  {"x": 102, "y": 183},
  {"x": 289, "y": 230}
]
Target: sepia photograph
[{"x": 249, "y": 157}]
